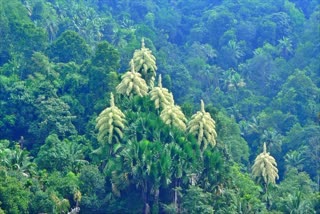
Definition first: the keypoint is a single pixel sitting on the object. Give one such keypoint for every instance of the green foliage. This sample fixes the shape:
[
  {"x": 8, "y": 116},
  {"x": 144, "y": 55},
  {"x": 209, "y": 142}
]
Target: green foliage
[
  {"x": 230, "y": 136},
  {"x": 292, "y": 97},
  {"x": 14, "y": 195},
  {"x": 53, "y": 118},
  {"x": 90, "y": 174},
  {"x": 256, "y": 61},
  {"x": 195, "y": 200},
  {"x": 17, "y": 29},
  {"x": 102, "y": 71},
  {"x": 60, "y": 155},
  {"x": 106, "y": 57},
  {"x": 247, "y": 192},
  {"x": 60, "y": 205},
  {"x": 69, "y": 46},
  {"x": 62, "y": 188},
  {"x": 295, "y": 193},
  {"x": 215, "y": 171},
  {"x": 308, "y": 146},
  {"x": 41, "y": 202}
]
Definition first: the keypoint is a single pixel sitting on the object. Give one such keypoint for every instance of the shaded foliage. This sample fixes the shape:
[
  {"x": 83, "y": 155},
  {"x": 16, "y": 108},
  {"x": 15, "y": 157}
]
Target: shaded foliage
[{"x": 254, "y": 63}]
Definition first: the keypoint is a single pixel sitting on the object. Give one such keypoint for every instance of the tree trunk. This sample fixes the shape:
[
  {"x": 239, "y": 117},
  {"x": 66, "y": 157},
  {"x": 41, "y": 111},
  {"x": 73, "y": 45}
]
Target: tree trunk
[
  {"x": 267, "y": 197},
  {"x": 156, "y": 201},
  {"x": 175, "y": 200},
  {"x": 176, "y": 196},
  {"x": 145, "y": 198},
  {"x": 146, "y": 208}
]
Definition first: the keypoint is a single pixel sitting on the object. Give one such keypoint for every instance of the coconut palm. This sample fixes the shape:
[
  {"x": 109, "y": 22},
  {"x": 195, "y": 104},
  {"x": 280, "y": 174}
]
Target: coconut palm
[
  {"x": 273, "y": 139},
  {"x": 233, "y": 51},
  {"x": 285, "y": 46},
  {"x": 22, "y": 162},
  {"x": 110, "y": 123},
  {"x": 294, "y": 159},
  {"x": 203, "y": 127},
  {"x": 232, "y": 80},
  {"x": 173, "y": 116},
  {"x": 254, "y": 126},
  {"x": 5, "y": 152},
  {"x": 145, "y": 63},
  {"x": 17, "y": 160},
  {"x": 297, "y": 204},
  {"x": 161, "y": 96},
  {"x": 265, "y": 167},
  {"x": 73, "y": 152},
  {"x": 132, "y": 83}
]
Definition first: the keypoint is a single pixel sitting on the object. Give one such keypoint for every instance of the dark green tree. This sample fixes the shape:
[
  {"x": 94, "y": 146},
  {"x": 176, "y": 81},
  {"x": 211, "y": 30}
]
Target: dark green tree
[
  {"x": 102, "y": 71},
  {"x": 14, "y": 195},
  {"x": 57, "y": 155},
  {"x": 69, "y": 46}
]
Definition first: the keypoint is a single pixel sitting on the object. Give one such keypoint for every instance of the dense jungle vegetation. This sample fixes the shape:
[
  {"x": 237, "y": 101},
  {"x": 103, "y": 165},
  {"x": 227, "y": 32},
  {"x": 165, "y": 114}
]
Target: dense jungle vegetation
[{"x": 160, "y": 106}]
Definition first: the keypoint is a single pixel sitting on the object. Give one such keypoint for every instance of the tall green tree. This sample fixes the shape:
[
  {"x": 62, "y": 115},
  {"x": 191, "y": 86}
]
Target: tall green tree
[
  {"x": 63, "y": 156},
  {"x": 102, "y": 72},
  {"x": 14, "y": 195},
  {"x": 69, "y": 46}
]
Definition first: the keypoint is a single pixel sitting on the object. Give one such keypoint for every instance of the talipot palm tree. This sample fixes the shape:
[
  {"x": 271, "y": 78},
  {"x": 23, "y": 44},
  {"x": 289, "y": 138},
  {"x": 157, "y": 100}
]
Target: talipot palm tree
[
  {"x": 265, "y": 170},
  {"x": 161, "y": 96},
  {"x": 110, "y": 123},
  {"x": 132, "y": 83},
  {"x": 203, "y": 127},
  {"x": 145, "y": 63},
  {"x": 173, "y": 116},
  {"x": 265, "y": 167}
]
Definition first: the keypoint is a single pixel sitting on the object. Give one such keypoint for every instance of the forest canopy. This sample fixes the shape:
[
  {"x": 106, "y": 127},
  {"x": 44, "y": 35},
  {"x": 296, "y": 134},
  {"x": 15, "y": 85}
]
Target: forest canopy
[{"x": 164, "y": 106}]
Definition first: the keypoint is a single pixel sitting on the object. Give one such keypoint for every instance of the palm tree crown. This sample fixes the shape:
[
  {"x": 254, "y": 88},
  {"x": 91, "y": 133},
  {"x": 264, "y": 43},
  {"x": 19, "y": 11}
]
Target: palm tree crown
[
  {"x": 110, "y": 123},
  {"x": 203, "y": 126},
  {"x": 265, "y": 167},
  {"x": 132, "y": 83},
  {"x": 173, "y": 116},
  {"x": 145, "y": 63},
  {"x": 161, "y": 96}
]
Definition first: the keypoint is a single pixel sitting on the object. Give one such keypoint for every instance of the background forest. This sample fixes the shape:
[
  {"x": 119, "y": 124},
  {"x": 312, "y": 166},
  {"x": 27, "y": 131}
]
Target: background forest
[{"x": 160, "y": 106}]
